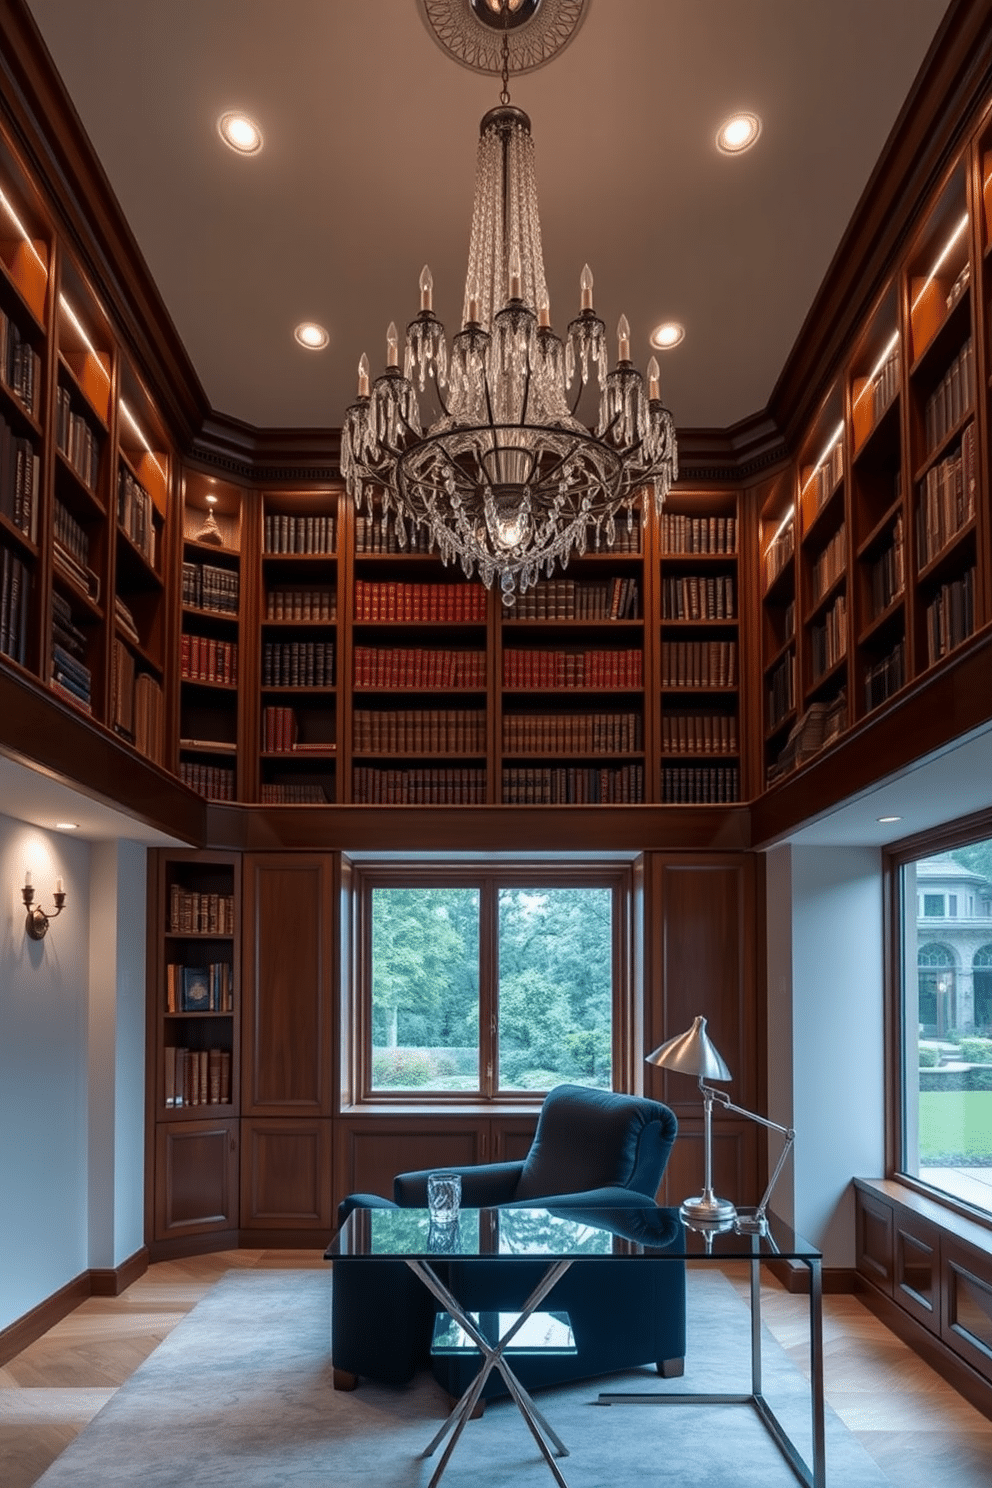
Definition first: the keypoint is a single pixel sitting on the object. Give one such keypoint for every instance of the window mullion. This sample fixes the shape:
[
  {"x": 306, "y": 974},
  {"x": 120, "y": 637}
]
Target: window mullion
[{"x": 488, "y": 987}]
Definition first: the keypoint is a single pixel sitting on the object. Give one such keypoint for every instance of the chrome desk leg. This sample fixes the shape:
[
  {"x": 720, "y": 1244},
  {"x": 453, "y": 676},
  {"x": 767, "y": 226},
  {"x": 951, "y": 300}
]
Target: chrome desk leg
[
  {"x": 493, "y": 1356},
  {"x": 816, "y": 1372}
]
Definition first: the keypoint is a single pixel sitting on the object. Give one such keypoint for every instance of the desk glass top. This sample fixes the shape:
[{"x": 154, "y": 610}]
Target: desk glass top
[{"x": 550, "y": 1235}]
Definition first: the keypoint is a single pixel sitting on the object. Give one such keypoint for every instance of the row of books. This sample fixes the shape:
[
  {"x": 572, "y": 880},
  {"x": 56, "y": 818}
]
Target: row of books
[
  {"x": 828, "y": 640},
  {"x": 301, "y": 604},
  {"x": 885, "y": 383},
  {"x": 20, "y": 365},
  {"x": 199, "y": 912},
  {"x": 281, "y": 735},
  {"x": 199, "y": 989},
  {"x": 573, "y": 785},
  {"x": 420, "y": 731},
  {"x": 887, "y": 574},
  {"x": 526, "y": 670},
  {"x": 197, "y": 1077},
  {"x": 137, "y": 705},
  {"x": 788, "y": 621},
  {"x": 375, "y": 600},
  {"x": 216, "y": 782},
  {"x": 822, "y": 483},
  {"x": 828, "y": 567},
  {"x": 572, "y": 733},
  {"x": 125, "y": 621},
  {"x": 71, "y": 551},
  {"x": 298, "y": 664},
  {"x": 206, "y": 659},
  {"x": 413, "y": 667},
  {"x": 463, "y": 786},
  {"x": 135, "y": 514},
  {"x": 699, "y": 663},
  {"x": 781, "y": 691},
  {"x": 294, "y": 793},
  {"x": 700, "y": 785},
  {"x": 19, "y": 469},
  {"x": 699, "y": 733},
  {"x": 71, "y": 676},
  {"x": 885, "y": 677},
  {"x": 697, "y": 597},
  {"x": 947, "y": 498},
  {"x": 569, "y": 599},
  {"x": 208, "y": 587},
  {"x": 76, "y": 440},
  {"x": 299, "y": 534},
  {"x": 682, "y": 534},
  {"x": 779, "y": 551},
  {"x": 950, "y": 616},
  {"x": 15, "y": 587},
  {"x": 951, "y": 398},
  {"x": 378, "y": 534},
  {"x": 821, "y": 722}
]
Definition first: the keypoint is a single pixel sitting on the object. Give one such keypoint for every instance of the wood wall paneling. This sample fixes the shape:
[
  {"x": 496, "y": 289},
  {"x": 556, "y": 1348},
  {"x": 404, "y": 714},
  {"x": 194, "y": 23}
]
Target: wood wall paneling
[
  {"x": 874, "y": 1240},
  {"x": 288, "y": 1006},
  {"x": 286, "y": 1174},
  {"x": 198, "y": 1191},
  {"x": 966, "y": 1321},
  {"x": 371, "y": 1150},
  {"x": 701, "y": 958},
  {"x": 916, "y": 1272}
]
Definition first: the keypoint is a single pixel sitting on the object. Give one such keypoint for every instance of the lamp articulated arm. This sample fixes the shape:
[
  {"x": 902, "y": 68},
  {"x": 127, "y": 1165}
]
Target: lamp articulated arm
[{"x": 788, "y": 1132}]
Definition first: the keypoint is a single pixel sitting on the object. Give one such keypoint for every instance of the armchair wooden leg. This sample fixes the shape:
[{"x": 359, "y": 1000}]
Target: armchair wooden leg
[
  {"x": 670, "y": 1368},
  {"x": 344, "y": 1380},
  {"x": 478, "y": 1412}
]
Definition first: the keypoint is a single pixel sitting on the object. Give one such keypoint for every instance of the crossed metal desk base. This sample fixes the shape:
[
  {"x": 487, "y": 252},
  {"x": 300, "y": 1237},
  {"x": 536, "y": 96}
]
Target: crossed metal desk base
[
  {"x": 812, "y": 1477},
  {"x": 494, "y": 1357}
]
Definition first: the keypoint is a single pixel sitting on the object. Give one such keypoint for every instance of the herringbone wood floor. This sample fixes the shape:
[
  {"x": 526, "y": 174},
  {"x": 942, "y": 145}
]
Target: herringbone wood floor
[{"x": 916, "y": 1427}]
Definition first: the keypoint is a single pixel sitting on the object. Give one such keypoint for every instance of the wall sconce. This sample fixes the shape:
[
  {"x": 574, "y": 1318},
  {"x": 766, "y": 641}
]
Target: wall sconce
[{"x": 37, "y": 920}]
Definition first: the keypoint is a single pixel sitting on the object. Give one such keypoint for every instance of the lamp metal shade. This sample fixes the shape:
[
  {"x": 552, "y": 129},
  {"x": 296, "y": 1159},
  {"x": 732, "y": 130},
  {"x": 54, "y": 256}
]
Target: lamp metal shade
[{"x": 692, "y": 1053}]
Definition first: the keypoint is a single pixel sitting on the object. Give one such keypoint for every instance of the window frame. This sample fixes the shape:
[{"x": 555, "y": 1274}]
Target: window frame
[
  {"x": 961, "y": 832},
  {"x": 489, "y": 878}
]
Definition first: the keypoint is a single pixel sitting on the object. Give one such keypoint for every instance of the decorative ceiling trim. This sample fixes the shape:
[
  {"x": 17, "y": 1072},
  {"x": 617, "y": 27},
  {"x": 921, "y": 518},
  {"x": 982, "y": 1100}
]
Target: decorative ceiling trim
[{"x": 478, "y": 45}]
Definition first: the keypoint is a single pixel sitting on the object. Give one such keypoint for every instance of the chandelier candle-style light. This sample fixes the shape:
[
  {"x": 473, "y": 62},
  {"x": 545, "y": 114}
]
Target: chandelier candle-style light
[{"x": 506, "y": 478}]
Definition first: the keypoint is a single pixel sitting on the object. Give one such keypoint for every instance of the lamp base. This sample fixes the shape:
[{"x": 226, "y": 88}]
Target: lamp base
[{"x": 707, "y": 1209}]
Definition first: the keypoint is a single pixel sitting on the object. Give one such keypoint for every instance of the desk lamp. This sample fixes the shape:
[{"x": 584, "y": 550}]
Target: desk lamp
[{"x": 693, "y": 1053}]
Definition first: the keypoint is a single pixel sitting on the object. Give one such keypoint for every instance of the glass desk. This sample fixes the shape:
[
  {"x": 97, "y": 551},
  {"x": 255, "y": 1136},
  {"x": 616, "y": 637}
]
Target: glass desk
[{"x": 561, "y": 1238}]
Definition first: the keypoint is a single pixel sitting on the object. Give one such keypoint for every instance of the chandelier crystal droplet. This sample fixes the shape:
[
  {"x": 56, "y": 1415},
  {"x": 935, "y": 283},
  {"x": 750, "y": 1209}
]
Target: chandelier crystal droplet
[{"x": 504, "y": 476}]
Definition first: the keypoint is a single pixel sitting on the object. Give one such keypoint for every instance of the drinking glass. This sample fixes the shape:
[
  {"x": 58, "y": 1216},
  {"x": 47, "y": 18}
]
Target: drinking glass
[{"x": 444, "y": 1194}]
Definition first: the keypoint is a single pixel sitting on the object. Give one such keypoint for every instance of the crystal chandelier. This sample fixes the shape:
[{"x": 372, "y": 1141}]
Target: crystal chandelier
[{"x": 504, "y": 476}]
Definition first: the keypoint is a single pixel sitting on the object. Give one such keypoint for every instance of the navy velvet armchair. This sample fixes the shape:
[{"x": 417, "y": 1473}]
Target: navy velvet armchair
[{"x": 593, "y": 1149}]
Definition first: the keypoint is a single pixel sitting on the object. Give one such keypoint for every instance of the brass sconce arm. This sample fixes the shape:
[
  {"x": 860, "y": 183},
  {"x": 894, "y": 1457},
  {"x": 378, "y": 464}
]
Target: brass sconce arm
[{"x": 37, "y": 921}]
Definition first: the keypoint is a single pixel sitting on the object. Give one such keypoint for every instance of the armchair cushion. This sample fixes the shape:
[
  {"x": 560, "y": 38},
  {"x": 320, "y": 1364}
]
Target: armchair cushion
[
  {"x": 483, "y": 1187},
  {"x": 596, "y": 1139}
]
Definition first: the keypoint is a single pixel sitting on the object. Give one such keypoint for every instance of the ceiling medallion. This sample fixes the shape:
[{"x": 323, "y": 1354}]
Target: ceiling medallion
[{"x": 472, "y": 31}]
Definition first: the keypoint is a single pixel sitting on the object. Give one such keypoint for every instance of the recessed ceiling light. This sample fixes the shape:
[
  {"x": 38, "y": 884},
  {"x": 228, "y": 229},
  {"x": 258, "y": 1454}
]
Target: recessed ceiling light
[
  {"x": 66, "y": 826},
  {"x": 311, "y": 335},
  {"x": 240, "y": 133},
  {"x": 888, "y": 818},
  {"x": 738, "y": 133},
  {"x": 665, "y": 336}
]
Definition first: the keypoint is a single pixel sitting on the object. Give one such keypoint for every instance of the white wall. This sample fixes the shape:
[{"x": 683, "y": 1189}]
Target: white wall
[
  {"x": 825, "y": 1032},
  {"x": 71, "y": 1064}
]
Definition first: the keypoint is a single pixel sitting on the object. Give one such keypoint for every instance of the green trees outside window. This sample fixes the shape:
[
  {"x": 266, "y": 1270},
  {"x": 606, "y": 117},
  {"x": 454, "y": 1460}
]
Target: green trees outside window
[{"x": 489, "y": 983}]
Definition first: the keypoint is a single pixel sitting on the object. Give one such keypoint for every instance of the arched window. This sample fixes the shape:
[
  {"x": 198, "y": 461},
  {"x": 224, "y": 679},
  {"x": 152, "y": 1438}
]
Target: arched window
[
  {"x": 982, "y": 964},
  {"x": 935, "y": 974}
]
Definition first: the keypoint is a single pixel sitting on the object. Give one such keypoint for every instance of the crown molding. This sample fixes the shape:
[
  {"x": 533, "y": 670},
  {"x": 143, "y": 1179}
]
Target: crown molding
[{"x": 227, "y": 446}]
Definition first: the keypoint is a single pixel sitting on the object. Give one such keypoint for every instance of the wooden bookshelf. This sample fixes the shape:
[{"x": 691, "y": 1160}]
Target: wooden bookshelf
[
  {"x": 299, "y": 648},
  {"x": 211, "y": 733},
  {"x": 777, "y": 524},
  {"x": 699, "y": 738},
  {"x": 194, "y": 1038}
]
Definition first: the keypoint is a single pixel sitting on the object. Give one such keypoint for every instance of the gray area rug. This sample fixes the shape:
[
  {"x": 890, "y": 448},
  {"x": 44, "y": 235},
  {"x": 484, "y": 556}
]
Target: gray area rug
[{"x": 239, "y": 1396}]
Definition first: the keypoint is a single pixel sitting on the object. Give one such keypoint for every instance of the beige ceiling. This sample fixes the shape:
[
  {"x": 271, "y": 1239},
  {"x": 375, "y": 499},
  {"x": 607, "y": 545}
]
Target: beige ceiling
[{"x": 367, "y": 172}]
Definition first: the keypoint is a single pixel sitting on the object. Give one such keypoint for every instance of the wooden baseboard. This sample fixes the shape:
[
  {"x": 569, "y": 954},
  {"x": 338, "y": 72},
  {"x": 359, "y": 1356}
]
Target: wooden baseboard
[
  {"x": 98, "y": 1282},
  {"x": 24, "y": 1330},
  {"x": 114, "y": 1280},
  {"x": 794, "y": 1276},
  {"x": 932, "y": 1349},
  {"x": 284, "y": 1239}
]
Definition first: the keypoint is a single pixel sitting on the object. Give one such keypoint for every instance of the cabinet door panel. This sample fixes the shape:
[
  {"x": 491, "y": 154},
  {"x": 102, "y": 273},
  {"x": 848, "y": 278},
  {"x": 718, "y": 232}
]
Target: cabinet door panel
[
  {"x": 196, "y": 1170},
  {"x": 287, "y": 1002},
  {"x": 372, "y": 1151},
  {"x": 874, "y": 1243},
  {"x": 286, "y": 1174}
]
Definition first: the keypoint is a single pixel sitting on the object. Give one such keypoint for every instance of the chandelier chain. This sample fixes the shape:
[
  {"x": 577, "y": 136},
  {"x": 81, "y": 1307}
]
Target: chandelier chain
[{"x": 504, "y": 96}]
